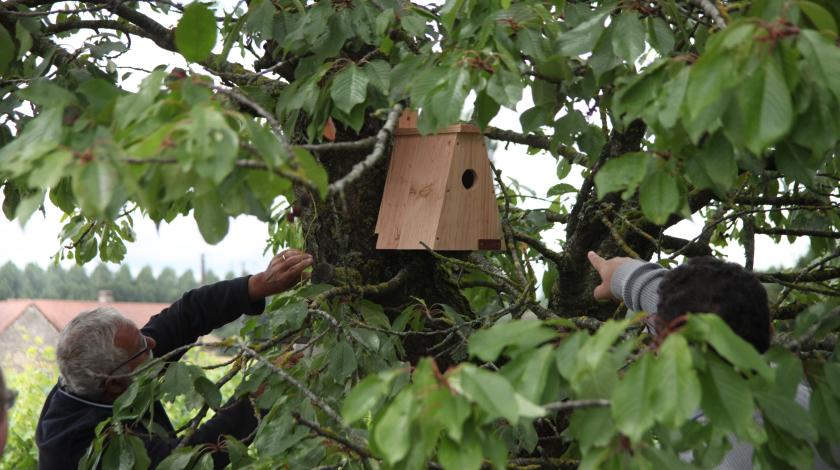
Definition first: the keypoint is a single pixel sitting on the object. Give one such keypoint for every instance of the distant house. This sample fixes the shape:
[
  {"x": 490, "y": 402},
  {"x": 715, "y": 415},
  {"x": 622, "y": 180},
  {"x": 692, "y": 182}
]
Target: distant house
[{"x": 24, "y": 320}]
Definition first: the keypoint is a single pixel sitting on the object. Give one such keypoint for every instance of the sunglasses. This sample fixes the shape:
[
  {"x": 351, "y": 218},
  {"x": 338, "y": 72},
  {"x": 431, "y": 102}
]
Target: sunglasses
[{"x": 145, "y": 349}]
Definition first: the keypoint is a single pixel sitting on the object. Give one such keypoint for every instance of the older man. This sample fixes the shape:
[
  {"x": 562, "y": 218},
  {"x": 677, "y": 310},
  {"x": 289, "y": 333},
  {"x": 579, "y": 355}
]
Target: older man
[{"x": 99, "y": 348}]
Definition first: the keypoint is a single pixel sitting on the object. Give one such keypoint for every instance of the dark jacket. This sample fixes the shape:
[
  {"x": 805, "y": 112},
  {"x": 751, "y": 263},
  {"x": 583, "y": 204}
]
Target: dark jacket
[{"x": 67, "y": 423}]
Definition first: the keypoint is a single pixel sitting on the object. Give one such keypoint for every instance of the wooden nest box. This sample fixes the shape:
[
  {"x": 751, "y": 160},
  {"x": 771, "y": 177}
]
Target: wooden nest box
[{"x": 439, "y": 191}]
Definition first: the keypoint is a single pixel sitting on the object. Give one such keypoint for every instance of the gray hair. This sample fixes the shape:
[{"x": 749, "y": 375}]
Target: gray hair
[{"x": 86, "y": 351}]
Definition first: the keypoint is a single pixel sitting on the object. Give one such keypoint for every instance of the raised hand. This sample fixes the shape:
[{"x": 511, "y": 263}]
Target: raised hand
[
  {"x": 605, "y": 268},
  {"x": 283, "y": 272}
]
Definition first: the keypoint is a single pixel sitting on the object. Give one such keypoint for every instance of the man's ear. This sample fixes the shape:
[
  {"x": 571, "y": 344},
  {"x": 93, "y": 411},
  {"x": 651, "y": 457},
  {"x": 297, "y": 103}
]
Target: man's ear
[{"x": 114, "y": 386}]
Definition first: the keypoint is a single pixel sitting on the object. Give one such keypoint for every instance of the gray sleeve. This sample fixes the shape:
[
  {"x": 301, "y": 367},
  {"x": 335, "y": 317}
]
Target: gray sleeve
[{"x": 637, "y": 284}]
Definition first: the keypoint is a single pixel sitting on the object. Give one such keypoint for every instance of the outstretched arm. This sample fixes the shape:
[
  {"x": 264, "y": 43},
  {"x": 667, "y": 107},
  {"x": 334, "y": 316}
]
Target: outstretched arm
[
  {"x": 202, "y": 310},
  {"x": 630, "y": 280}
]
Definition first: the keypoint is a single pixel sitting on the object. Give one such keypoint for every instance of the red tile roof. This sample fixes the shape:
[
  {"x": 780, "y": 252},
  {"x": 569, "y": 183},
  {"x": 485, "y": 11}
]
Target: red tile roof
[{"x": 60, "y": 312}]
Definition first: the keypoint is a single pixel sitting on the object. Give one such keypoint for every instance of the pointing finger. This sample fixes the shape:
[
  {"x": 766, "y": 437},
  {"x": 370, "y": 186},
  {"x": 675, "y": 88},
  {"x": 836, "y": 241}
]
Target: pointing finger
[{"x": 595, "y": 260}]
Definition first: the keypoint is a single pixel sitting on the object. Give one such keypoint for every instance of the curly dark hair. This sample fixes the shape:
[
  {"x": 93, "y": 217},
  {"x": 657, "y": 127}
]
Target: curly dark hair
[{"x": 708, "y": 285}]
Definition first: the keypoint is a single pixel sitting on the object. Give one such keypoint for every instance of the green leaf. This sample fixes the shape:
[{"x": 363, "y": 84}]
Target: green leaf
[
  {"x": 392, "y": 432},
  {"x": 787, "y": 414},
  {"x": 584, "y": 37},
  {"x": 660, "y": 34},
  {"x": 594, "y": 350},
  {"x": 714, "y": 165},
  {"x": 822, "y": 18},
  {"x": 678, "y": 388},
  {"x": 825, "y": 411},
  {"x": 363, "y": 398},
  {"x": 312, "y": 170},
  {"x": 465, "y": 455},
  {"x": 138, "y": 449},
  {"x": 119, "y": 455},
  {"x": 449, "y": 12},
  {"x": 445, "y": 103},
  {"x": 261, "y": 18},
  {"x": 712, "y": 329},
  {"x": 211, "y": 218},
  {"x": 94, "y": 185},
  {"x": 349, "y": 88},
  {"x": 708, "y": 79},
  {"x": 532, "y": 119},
  {"x": 505, "y": 88},
  {"x": 379, "y": 75},
  {"x": 179, "y": 459},
  {"x": 209, "y": 391},
  {"x": 195, "y": 34},
  {"x": 823, "y": 56},
  {"x": 414, "y": 24},
  {"x": 178, "y": 380},
  {"x": 453, "y": 413},
  {"x": 7, "y": 50},
  {"x": 488, "y": 344},
  {"x": 659, "y": 197},
  {"x": 45, "y": 93},
  {"x": 342, "y": 362},
  {"x": 634, "y": 399},
  {"x": 727, "y": 400},
  {"x": 485, "y": 109},
  {"x": 592, "y": 427},
  {"x": 766, "y": 108},
  {"x": 492, "y": 392},
  {"x": 624, "y": 172},
  {"x": 628, "y": 36}
]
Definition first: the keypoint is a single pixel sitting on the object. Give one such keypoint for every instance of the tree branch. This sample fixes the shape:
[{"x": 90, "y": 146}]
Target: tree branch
[
  {"x": 576, "y": 404},
  {"x": 332, "y": 436},
  {"x": 547, "y": 253},
  {"x": 533, "y": 140},
  {"x": 75, "y": 24},
  {"x": 799, "y": 276},
  {"x": 711, "y": 11},
  {"x": 378, "y": 151}
]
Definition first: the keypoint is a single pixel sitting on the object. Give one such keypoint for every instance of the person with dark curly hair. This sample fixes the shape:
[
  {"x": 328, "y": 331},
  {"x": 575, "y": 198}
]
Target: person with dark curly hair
[{"x": 701, "y": 285}]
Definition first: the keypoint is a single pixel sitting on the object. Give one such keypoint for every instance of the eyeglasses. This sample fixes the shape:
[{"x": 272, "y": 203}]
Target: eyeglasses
[{"x": 145, "y": 349}]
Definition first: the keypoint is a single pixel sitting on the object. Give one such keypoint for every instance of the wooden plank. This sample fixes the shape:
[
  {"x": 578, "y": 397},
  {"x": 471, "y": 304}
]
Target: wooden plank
[
  {"x": 466, "y": 217},
  {"x": 414, "y": 192}
]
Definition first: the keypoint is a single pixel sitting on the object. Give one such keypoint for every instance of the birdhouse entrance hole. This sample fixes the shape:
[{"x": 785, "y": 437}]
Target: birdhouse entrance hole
[{"x": 468, "y": 179}]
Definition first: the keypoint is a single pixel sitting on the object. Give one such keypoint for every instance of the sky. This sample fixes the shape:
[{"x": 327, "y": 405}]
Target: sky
[{"x": 180, "y": 246}]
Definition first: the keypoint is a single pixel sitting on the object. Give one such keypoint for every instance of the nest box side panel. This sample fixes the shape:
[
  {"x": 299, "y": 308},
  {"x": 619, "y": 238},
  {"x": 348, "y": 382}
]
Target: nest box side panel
[
  {"x": 470, "y": 218},
  {"x": 414, "y": 191}
]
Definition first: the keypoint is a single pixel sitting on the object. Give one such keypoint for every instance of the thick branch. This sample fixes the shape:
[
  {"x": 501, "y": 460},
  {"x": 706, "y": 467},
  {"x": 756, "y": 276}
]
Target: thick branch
[
  {"x": 575, "y": 404},
  {"x": 549, "y": 254},
  {"x": 796, "y": 276},
  {"x": 533, "y": 140},
  {"x": 710, "y": 10},
  {"x": 76, "y": 24},
  {"x": 378, "y": 151},
  {"x": 786, "y": 200},
  {"x": 332, "y": 436}
]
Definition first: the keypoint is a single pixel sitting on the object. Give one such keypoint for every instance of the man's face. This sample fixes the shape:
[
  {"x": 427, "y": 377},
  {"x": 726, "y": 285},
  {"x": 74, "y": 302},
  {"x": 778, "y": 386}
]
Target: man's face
[{"x": 129, "y": 339}]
